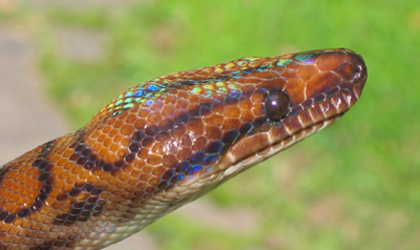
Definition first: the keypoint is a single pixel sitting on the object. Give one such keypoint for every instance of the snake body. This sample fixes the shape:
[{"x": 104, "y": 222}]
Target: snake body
[{"x": 168, "y": 141}]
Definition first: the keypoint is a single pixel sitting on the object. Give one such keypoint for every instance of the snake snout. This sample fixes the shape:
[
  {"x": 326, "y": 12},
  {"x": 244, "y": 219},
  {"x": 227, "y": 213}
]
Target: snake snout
[
  {"x": 359, "y": 73},
  {"x": 351, "y": 68}
]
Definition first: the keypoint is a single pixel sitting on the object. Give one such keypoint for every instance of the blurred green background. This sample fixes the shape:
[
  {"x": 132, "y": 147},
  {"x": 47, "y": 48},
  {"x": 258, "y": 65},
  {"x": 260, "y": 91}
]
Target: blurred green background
[{"x": 356, "y": 185}]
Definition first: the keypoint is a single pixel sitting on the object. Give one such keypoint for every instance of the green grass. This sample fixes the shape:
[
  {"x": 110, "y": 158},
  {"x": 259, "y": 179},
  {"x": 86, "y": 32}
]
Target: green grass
[{"x": 364, "y": 170}]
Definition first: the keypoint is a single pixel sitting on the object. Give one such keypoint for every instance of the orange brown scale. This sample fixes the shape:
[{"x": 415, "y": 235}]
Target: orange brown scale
[{"x": 166, "y": 142}]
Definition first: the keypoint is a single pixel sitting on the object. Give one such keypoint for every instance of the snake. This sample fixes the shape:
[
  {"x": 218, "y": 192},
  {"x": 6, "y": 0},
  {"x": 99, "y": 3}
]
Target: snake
[{"x": 168, "y": 141}]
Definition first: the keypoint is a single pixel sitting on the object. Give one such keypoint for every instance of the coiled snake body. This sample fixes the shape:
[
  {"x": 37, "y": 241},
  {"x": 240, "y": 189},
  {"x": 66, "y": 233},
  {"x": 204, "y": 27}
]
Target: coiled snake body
[{"x": 166, "y": 142}]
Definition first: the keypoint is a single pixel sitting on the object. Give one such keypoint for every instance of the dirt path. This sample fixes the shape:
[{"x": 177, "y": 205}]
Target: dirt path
[{"x": 28, "y": 119}]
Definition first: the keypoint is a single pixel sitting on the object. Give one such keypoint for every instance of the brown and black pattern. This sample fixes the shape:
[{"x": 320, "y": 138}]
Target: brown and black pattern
[
  {"x": 166, "y": 142},
  {"x": 44, "y": 166},
  {"x": 81, "y": 211}
]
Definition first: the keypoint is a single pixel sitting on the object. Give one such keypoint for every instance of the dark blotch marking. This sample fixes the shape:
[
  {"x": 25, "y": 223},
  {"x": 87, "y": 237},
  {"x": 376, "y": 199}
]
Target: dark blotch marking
[
  {"x": 138, "y": 135},
  {"x": 259, "y": 121},
  {"x": 134, "y": 147},
  {"x": 24, "y": 212},
  {"x": 197, "y": 157},
  {"x": 151, "y": 130},
  {"x": 147, "y": 141},
  {"x": 130, "y": 157},
  {"x": 182, "y": 167},
  {"x": 210, "y": 159},
  {"x": 167, "y": 179},
  {"x": 215, "y": 147},
  {"x": 193, "y": 112},
  {"x": 44, "y": 165},
  {"x": 84, "y": 156},
  {"x": 82, "y": 211},
  {"x": 245, "y": 128},
  {"x": 3, "y": 215},
  {"x": 10, "y": 218},
  {"x": 230, "y": 136},
  {"x": 183, "y": 118}
]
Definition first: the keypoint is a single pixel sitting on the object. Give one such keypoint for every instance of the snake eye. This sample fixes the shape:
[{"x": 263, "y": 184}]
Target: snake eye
[{"x": 276, "y": 105}]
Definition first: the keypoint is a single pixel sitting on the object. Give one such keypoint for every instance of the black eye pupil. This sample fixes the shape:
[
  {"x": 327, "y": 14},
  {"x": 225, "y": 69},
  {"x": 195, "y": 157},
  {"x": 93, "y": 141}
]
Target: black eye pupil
[{"x": 276, "y": 105}]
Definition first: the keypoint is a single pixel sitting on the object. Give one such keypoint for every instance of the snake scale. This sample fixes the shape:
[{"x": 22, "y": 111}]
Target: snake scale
[{"x": 168, "y": 141}]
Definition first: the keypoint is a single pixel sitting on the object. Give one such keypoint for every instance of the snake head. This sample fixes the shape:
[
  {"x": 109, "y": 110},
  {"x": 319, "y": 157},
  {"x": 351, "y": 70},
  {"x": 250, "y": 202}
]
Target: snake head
[
  {"x": 273, "y": 104},
  {"x": 310, "y": 90}
]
